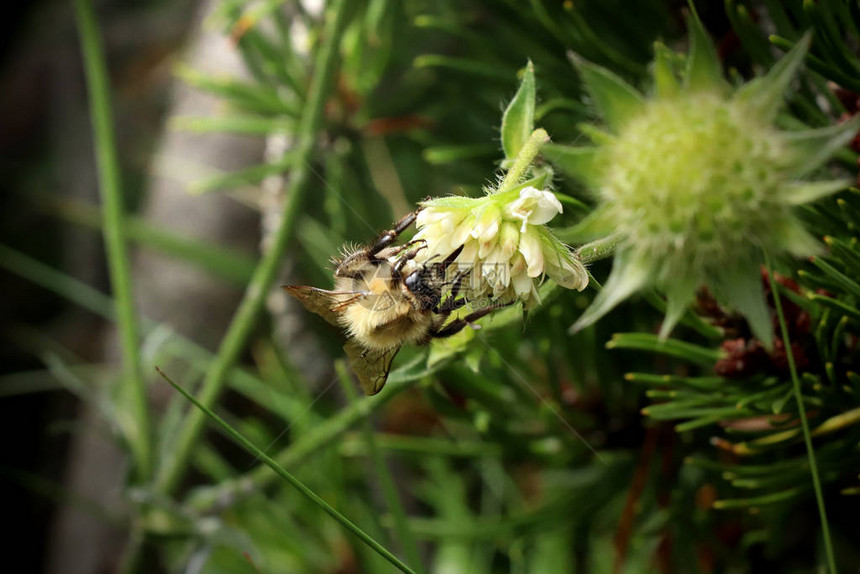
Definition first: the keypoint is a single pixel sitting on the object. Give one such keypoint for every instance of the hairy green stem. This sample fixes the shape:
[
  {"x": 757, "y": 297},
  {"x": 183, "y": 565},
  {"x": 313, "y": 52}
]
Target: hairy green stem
[
  {"x": 801, "y": 410},
  {"x": 264, "y": 275},
  {"x": 524, "y": 159},
  {"x": 389, "y": 488},
  {"x": 132, "y": 389},
  {"x": 599, "y": 249}
]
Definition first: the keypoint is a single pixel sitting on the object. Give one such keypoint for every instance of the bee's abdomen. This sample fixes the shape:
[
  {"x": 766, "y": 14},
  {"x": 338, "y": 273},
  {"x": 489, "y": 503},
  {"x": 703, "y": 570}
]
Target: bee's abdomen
[{"x": 381, "y": 324}]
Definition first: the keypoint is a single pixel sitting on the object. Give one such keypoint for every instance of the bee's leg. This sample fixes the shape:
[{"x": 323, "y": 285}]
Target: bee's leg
[
  {"x": 450, "y": 259},
  {"x": 458, "y": 282},
  {"x": 451, "y": 303},
  {"x": 398, "y": 249},
  {"x": 455, "y": 327},
  {"x": 389, "y": 236},
  {"x": 449, "y": 306},
  {"x": 409, "y": 255}
]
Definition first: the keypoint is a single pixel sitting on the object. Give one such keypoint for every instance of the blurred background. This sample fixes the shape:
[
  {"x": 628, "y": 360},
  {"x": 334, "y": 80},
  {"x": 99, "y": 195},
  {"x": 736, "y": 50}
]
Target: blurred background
[{"x": 517, "y": 449}]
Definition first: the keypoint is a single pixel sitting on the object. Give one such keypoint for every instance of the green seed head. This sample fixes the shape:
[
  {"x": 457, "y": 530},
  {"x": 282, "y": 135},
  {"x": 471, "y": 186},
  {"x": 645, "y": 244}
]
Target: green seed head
[
  {"x": 696, "y": 182},
  {"x": 693, "y": 183}
]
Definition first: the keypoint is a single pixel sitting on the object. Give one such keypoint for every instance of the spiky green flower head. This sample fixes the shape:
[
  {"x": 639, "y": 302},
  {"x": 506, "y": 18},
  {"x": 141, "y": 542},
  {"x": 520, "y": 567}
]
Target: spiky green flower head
[{"x": 697, "y": 182}]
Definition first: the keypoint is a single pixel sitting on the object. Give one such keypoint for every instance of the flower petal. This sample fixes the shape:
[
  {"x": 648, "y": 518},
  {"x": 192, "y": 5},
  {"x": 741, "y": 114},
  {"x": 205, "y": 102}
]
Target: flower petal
[
  {"x": 546, "y": 207},
  {"x": 530, "y": 247},
  {"x": 566, "y": 271},
  {"x": 509, "y": 238},
  {"x": 486, "y": 222}
]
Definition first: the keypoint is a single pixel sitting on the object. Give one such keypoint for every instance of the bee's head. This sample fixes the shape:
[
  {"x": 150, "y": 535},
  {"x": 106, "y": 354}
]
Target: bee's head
[{"x": 426, "y": 284}]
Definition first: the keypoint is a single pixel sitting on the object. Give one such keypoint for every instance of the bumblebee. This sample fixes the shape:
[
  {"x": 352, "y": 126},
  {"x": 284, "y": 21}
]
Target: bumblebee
[{"x": 384, "y": 299}]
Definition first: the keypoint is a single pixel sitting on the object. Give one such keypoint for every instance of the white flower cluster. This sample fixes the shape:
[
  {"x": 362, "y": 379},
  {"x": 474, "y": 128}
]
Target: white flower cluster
[{"x": 505, "y": 242}]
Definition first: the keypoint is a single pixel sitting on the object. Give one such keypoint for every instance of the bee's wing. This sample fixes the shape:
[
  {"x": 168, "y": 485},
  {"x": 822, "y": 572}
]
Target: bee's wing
[
  {"x": 371, "y": 366},
  {"x": 320, "y": 301}
]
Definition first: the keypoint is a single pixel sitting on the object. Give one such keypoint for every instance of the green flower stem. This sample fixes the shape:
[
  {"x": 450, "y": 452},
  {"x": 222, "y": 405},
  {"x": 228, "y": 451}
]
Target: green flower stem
[
  {"x": 133, "y": 390},
  {"x": 389, "y": 489},
  {"x": 807, "y": 437},
  {"x": 524, "y": 159},
  {"x": 300, "y": 486},
  {"x": 252, "y": 304}
]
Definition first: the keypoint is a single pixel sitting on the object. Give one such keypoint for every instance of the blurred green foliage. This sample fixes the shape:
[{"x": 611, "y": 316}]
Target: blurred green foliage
[{"x": 528, "y": 449}]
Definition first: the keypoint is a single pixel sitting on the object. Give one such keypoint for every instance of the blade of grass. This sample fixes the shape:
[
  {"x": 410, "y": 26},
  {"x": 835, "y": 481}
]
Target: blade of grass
[
  {"x": 296, "y": 483},
  {"x": 419, "y": 446},
  {"x": 304, "y": 446},
  {"x": 235, "y": 124},
  {"x": 58, "y": 282},
  {"x": 100, "y": 304},
  {"x": 252, "y": 303},
  {"x": 225, "y": 262},
  {"x": 389, "y": 489},
  {"x": 133, "y": 390},
  {"x": 807, "y": 437}
]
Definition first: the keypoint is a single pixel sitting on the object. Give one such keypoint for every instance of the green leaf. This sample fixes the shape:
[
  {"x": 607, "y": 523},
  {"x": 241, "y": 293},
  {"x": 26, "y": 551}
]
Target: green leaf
[
  {"x": 131, "y": 391},
  {"x": 846, "y": 251},
  {"x": 617, "y": 100},
  {"x": 839, "y": 306},
  {"x": 597, "y": 226},
  {"x": 247, "y": 176},
  {"x": 679, "y": 295},
  {"x": 256, "y": 98},
  {"x": 802, "y": 192},
  {"x": 236, "y": 124},
  {"x": 452, "y": 202},
  {"x": 629, "y": 274},
  {"x": 704, "y": 72},
  {"x": 217, "y": 259},
  {"x": 843, "y": 281},
  {"x": 741, "y": 286},
  {"x": 764, "y": 95},
  {"x": 665, "y": 83},
  {"x": 847, "y": 81},
  {"x": 443, "y": 349},
  {"x": 519, "y": 118},
  {"x": 296, "y": 483},
  {"x": 440, "y": 155},
  {"x": 812, "y": 148},
  {"x": 791, "y": 235},
  {"x": 579, "y": 163},
  {"x": 466, "y": 66},
  {"x": 751, "y": 35},
  {"x": 673, "y": 347}
]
